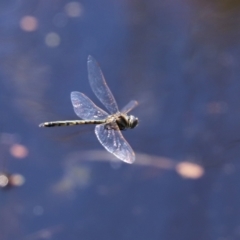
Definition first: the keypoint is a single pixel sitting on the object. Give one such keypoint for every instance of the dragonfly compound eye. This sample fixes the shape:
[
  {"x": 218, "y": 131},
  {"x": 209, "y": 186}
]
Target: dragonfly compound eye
[{"x": 133, "y": 121}]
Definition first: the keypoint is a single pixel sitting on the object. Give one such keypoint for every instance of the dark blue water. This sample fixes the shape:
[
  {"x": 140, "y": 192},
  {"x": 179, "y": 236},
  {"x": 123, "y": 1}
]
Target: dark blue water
[{"x": 180, "y": 60}]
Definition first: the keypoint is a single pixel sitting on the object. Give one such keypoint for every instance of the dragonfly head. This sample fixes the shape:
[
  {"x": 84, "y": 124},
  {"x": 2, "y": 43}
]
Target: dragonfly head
[
  {"x": 124, "y": 121},
  {"x": 132, "y": 121}
]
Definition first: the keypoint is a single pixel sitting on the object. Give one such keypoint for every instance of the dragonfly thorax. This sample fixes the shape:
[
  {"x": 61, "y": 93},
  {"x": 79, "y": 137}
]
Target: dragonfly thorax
[{"x": 124, "y": 121}]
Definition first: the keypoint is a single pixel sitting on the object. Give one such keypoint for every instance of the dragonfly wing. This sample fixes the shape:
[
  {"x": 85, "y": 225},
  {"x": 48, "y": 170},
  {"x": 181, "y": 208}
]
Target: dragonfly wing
[
  {"x": 114, "y": 142},
  {"x": 130, "y": 106},
  {"x": 100, "y": 87},
  {"x": 85, "y": 108}
]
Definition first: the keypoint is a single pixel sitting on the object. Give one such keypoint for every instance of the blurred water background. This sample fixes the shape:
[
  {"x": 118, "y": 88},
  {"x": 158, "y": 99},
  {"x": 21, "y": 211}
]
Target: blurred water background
[{"x": 180, "y": 60}]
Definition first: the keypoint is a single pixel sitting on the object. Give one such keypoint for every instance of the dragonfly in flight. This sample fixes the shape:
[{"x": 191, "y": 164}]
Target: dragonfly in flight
[{"x": 108, "y": 126}]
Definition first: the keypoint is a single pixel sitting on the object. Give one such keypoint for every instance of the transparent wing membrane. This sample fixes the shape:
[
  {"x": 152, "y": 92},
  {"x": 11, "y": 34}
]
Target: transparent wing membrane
[
  {"x": 130, "y": 106},
  {"x": 100, "y": 87},
  {"x": 85, "y": 108},
  {"x": 114, "y": 142}
]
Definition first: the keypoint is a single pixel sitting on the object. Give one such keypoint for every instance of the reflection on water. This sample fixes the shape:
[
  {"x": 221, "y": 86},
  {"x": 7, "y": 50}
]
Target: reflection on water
[
  {"x": 46, "y": 233},
  {"x": 18, "y": 151},
  {"x": 76, "y": 175},
  {"x": 9, "y": 146},
  {"x": 74, "y": 9},
  {"x": 189, "y": 170},
  {"x": 11, "y": 180},
  {"x": 29, "y": 23},
  {"x": 52, "y": 39}
]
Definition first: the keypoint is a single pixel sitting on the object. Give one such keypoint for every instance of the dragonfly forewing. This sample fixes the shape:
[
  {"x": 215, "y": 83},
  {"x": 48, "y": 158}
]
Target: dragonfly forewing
[
  {"x": 114, "y": 142},
  {"x": 130, "y": 106},
  {"x": 85, "y": 108},
  {"x": 100, "y": 87}
]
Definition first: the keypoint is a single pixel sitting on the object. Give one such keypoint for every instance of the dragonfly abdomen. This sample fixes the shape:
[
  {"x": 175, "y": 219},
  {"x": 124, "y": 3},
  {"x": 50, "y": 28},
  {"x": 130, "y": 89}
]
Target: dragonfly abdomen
[{"x": 70, "y": 123}]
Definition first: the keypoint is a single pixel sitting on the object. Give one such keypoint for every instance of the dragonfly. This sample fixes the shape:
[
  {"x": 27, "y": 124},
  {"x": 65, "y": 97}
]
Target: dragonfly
[{"x": 108, "y": 126}]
